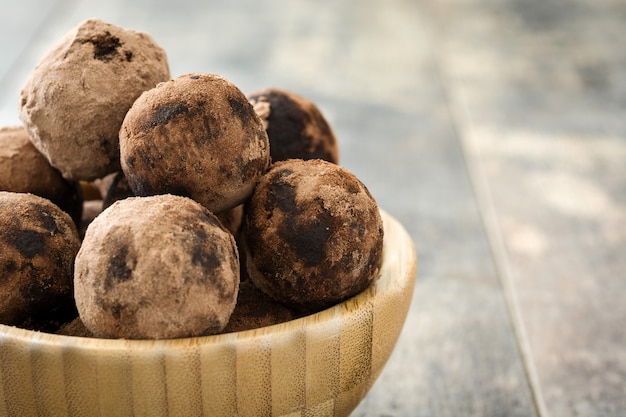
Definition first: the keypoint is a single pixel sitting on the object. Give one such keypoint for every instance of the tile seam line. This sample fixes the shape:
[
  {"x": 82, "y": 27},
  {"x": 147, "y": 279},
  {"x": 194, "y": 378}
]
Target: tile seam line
[{"x": 491, "y": 225}]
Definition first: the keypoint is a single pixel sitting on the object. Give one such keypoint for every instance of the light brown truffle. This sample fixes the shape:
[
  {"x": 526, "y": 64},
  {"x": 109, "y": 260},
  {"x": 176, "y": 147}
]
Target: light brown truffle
[
  {"x": 195, "y": 136},
  {"x": 156, "y": 267},
  {"x": 75, "y": 100},
  {"x": 313, "y": 234},
  {"x": 295, "y": 126},
  {"x": 256, "y": 309},
  {"x": 23, "y": 169},
  {"x": 38, "y": 244}
]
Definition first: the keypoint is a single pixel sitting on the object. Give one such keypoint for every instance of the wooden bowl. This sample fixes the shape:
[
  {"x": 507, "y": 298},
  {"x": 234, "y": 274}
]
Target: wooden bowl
[{"x": 319, "y": 365}]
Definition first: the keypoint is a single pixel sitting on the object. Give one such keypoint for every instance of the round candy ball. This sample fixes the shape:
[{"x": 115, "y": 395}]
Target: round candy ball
[
  {"x": 313, "y": 234},
  {"x": 75, "y": 99},
  {"x": 38, "y": 244},
  {"x": 156, "y": 267},
  {"x": 295, "y": 126},
  {"x": 23, "y": 169},
  {"x": 195, "y": 136}
]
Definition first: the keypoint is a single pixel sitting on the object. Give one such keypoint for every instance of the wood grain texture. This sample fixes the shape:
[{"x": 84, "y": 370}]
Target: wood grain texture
[
  {"x": 544, "y": 127},
  {"x": 281, "y": 370}
]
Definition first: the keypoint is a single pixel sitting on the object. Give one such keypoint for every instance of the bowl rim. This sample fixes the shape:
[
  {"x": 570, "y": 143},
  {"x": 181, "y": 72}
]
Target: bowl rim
[{"x": 318, "y": 318}]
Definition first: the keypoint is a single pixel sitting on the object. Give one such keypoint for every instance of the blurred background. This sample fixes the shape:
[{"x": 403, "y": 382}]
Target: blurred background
[{"x": 493, "y": 130}]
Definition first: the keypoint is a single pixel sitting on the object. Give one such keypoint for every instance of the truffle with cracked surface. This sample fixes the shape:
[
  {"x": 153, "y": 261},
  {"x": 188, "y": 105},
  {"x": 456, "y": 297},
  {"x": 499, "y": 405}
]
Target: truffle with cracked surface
[
  {"x": 23, "y": 169},
  {"x": 38, "y": 244},
  {"x": 195, "y": 136},
  {"x": 75, "y": 100},
  {"x": 313, "y": 234},
  {"x": 156, "y": 267},
  {"x": 295, "y": 126}
]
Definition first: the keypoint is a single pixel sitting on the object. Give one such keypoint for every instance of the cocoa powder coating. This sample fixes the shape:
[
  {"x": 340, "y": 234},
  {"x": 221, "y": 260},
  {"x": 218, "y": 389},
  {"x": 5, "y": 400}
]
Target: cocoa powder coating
[
  {"x": 38, "y": 244},
  {"x": 195, "y": 136},
  {"x": 75, "y": 100},
  {"x": 313, "y": 234},
  {"x": 295, "y": 126},
  {"x": 156, "y": 267},
  {"x": 23, "y": 169}
]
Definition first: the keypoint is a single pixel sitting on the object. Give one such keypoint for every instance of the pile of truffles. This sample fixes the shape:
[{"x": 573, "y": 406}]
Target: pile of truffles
[{"x": 135, "y": 205}]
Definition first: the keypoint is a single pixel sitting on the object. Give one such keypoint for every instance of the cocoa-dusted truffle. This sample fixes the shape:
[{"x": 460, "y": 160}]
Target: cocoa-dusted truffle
[
  {"x": 256, "y": 309},
  {"x": 75, "y": 100},
  {"x": 295, "y": 126},
  {"x": 23, "y": 169},
  {"x": 313, "y": 234},
  {"x": 156, "y": 268},
  {"x": 38, "y": 244},
  {"x": 195, "y": 136}
]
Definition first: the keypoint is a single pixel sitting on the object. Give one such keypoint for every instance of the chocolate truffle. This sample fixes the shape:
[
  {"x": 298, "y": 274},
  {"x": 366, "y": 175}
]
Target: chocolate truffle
[
  {"x": 295, "y": 126},
  {"x": 195, "y": 136},
  {"x": 23, "y": 169},
  {"x": 256, "y": 309},
  {"x": 75, "y": 100},
  {"x": 313, "y": 234},
  {"x": 38, "y": 244},
  {"x": 156, "y": 267}
]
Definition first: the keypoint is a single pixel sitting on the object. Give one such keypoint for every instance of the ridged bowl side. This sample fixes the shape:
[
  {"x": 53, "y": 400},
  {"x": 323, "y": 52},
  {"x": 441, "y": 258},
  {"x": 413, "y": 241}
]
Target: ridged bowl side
[{"x": 320, "y": 365}]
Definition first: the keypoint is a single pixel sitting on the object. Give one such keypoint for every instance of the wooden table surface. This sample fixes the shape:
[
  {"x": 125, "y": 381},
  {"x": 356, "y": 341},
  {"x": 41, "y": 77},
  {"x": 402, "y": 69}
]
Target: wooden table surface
[{"x": 493, "y": 130}]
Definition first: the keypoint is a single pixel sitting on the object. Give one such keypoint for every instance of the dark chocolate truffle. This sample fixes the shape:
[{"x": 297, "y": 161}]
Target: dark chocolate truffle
[
  {"x": 38, "y": 244},
  {"x": 313, "y": 234},
  {"x": 295, "y": 126},
  {"x": 23, "y": 169},
  {"x": 195, "y": 136},
  {"x": 256, "y": 309},
  {"x": 75, "y": 100},
  {"x": 156, "y": 267}
]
